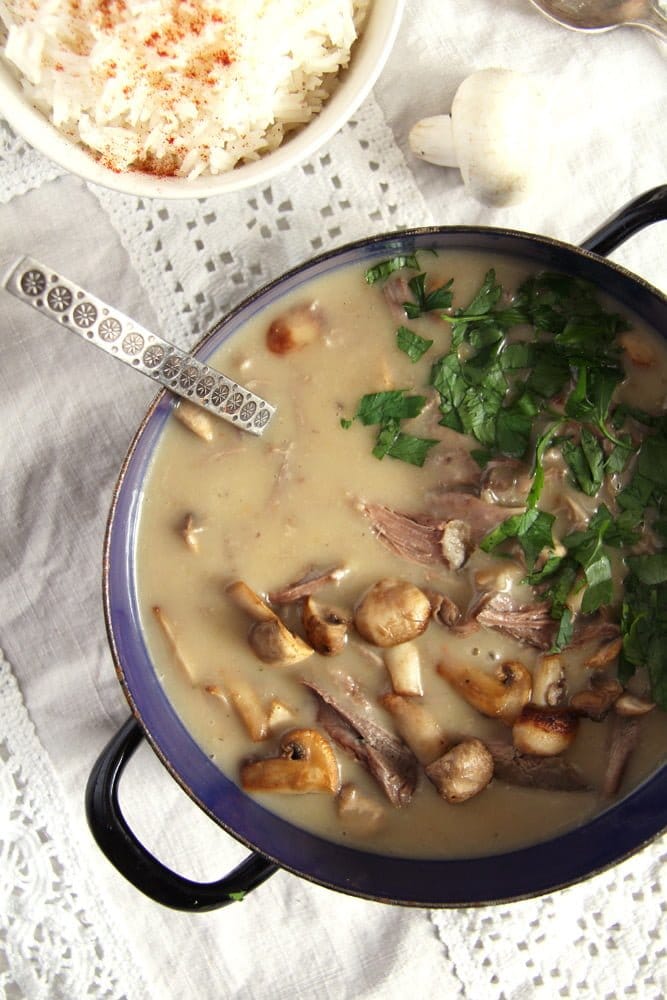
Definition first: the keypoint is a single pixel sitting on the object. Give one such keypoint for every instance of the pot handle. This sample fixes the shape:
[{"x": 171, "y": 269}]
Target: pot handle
[
  {"x": 134, "y": 861},
  {"x": 636, "y": 215}
]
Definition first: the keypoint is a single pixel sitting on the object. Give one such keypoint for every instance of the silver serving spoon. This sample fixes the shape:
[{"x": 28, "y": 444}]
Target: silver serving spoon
[
  {"x": 100, "y": 324},
  {"x": 603, "y": 15}
]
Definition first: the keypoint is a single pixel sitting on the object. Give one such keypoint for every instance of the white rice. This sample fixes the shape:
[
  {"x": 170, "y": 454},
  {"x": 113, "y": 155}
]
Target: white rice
[{"x": 180, "y": 88}]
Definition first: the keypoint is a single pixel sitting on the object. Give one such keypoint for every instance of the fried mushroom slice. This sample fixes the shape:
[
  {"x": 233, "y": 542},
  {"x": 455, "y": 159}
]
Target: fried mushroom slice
[
  {"x": 189, "y": 531},
  {"x": 548, "y": 681},
  {"x": 500, "y": 694},
  {"x": 391, "y": 612},
  {"x": 195, "y": 419},
  {"x": 606, "y": 654},
  {"x": 596, "y": 700},
  {"x": 632, "y": 706},
  {"x": 247, "y": 705},
  {"x": 268, "y": 637},
  {"x": 544, "y": 732},
  {"x": 307, "y": 763},
  {"x": 456, "y": 543},
  {"x": 295, "y": 329},
  {"x": 173, "y": 641},
  {"x": 462, "y": 772},
  {"x": 325, "y": 628}
]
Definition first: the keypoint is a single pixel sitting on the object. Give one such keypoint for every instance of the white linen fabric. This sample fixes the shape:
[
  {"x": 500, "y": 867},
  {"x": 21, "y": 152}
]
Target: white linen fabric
[{"x": 70, "y": 926}]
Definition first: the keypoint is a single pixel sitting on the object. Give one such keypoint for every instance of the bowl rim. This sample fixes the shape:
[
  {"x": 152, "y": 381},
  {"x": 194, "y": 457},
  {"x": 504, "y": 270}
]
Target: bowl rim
[
  {"x": 369, "y": 57},
  {"x": 566, "y": 859}
]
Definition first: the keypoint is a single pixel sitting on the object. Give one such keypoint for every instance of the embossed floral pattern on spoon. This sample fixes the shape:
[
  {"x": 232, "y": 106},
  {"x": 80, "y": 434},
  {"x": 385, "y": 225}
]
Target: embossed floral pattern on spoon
[{"x": 71, "y": 306}]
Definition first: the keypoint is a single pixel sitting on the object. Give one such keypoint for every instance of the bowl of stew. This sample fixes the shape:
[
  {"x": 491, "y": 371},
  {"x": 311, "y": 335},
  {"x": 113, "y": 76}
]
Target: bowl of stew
[{"x": 409, "y": 644}]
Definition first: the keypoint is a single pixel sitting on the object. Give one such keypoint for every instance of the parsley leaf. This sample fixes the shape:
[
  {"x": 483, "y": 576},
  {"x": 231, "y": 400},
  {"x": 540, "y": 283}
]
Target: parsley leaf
[
  {"x": 386, "y": 267},
  {"x": 648, "y": 487},
  {"x": 644, "y": 627},
  {"x": 586, "y": 462},
  {"x": 531, "y": 529},
  {"x": 406, "y": 447},
  {"x": 438, "y": 298},
  {"x": 412, "y": 343},
  {"x": 565, "y": 631},
  {"x": 392, "y": 404}
]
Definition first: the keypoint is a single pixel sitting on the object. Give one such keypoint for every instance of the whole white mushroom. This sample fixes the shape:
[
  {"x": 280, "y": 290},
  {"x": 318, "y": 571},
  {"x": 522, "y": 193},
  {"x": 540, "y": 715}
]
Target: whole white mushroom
[{"x": 497, "y": 134}]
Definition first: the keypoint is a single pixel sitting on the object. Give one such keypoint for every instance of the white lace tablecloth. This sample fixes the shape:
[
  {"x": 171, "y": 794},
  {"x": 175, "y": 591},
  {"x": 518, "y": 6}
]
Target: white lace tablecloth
[{"x": 70, "y": 926}]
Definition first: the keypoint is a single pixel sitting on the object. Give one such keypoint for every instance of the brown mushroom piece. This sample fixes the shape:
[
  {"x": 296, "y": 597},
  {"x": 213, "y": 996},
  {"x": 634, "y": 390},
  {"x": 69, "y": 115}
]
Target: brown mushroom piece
[
  {"x": 391, "y": 612},
  {"x": 606, "y": 654},
  {"x": 295, "y": 329},
  {"x": 456, "y": 543},
  {"x": 632, "y": 706},
  {"x": 268, "y": 637},
  {"x": 325, "y": 628},
  {"x": 443, "y": 608},
  {"x": 500, "y": 694},
  {"x": 548, "y": 681},
  {"x": 173, "y": 641},
  {"x": 307, "y": 763},
  {"x": 189, "y": 530},
  {"x": 595, "y": 701},
  {"x": 544, "y": 732},
  {"x": 462, "y": 772},
  {"x": 195, "y": 419},
  {"x": 247, "y": 705},
  {"x": 506, "y": 481}
]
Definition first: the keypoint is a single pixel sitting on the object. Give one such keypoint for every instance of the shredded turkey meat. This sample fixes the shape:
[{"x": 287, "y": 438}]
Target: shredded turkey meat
[
  {"x": 529, "y": 771},
  {"x": 533, "y": 625},
  {"x": 388, "y": 759}
]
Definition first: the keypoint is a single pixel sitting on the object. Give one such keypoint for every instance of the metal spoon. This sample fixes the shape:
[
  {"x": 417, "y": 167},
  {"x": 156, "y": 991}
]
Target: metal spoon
[
  {"x": 69, "y": 305},
  {"x": 603, "y": 15}
]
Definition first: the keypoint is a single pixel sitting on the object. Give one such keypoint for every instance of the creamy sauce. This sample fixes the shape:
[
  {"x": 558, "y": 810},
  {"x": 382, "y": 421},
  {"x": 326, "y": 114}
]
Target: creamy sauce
[{"x": 268, "y": 511}]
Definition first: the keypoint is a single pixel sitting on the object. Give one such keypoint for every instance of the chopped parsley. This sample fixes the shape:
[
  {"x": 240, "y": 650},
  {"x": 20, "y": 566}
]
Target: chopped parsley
[
  {"x": 382, "y": 270},
  {"x": 412, "y": 343},
  {"x": 382, "y": 407},
  {"x": 525, "y": 375},
  {"x": 437, "y": 298},
  {"x": 387, "y": 409}
]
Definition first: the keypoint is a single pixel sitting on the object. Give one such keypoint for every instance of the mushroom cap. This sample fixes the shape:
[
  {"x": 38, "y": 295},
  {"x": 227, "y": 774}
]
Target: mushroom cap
[
  {"x": 544, "y": 732},
  {"x": 462, "y": 772},
  {"x": 307, "y": 763},
  {"x": 391, "y": 612},
  {"x": 498, "y": 126},
  {"x": 325, "y": 627}
]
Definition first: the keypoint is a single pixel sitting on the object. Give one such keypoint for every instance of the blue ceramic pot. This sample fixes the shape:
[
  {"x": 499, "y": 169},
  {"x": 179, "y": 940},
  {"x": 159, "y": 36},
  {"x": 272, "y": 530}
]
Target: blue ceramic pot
[{"x": 621, "y": 829}]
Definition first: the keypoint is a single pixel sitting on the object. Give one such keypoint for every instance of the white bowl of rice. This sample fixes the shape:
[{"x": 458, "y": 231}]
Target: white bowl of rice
[{"x": 188, "y": 99}]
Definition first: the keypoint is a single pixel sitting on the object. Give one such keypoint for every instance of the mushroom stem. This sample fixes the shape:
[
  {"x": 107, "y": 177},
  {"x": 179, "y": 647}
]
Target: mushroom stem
[
  {"x": 432, "y": 139},
  {"x": 496, "y": 133}
]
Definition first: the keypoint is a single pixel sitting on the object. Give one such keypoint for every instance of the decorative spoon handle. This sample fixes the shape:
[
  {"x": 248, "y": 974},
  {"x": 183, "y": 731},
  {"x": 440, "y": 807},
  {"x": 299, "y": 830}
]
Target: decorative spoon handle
[{"x": 100, "y": 324}]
